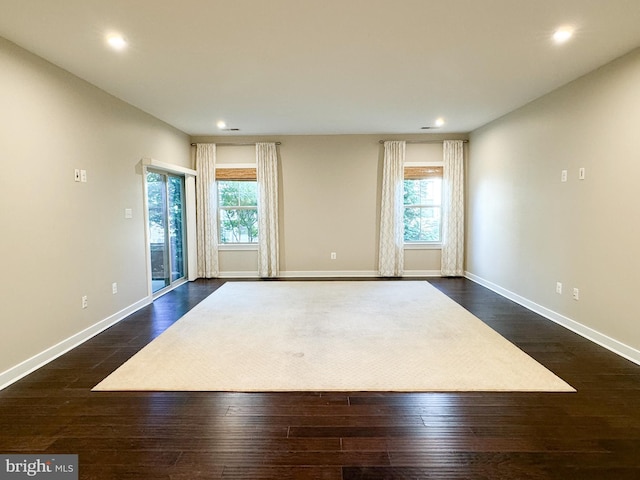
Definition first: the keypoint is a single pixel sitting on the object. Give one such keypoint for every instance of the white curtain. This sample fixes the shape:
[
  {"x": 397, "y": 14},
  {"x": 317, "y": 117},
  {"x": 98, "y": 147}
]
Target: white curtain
[
  {"x": 206, "y": 210},
  {"x": 391, "y": 254},
  {"x": 267, "y": 174},
  {"x": 453, "y": 209}
]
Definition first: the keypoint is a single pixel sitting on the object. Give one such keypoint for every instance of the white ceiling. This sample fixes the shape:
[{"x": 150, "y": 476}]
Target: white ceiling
[{"x": 325, "y": 66}]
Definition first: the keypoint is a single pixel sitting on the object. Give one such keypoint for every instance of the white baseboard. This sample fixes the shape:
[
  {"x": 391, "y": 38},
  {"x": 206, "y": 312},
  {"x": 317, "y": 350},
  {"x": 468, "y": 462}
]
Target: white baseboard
[
  {"x": 330, "y": 274},
  {"x": 240, "y": 274},
  {"x": 23, "y": 369},
  {"x": 589, "y": 333},
  {"x": 422, "y": 273},
  {"x": 302, "y": 274}
]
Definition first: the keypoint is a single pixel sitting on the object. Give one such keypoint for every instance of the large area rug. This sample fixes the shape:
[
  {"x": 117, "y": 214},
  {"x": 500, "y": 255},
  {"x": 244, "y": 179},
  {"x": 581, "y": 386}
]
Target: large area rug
[{"x": 331, "y": 336}]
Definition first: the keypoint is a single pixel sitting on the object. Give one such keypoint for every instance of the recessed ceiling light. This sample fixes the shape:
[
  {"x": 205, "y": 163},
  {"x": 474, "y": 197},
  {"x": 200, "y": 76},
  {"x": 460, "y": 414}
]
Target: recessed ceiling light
[
  {"x": 221, "y": 124},
  {"x": 439, "y": 122},
  {"x": 116, "y": 41},
  {"x": 562, "y": 34}
]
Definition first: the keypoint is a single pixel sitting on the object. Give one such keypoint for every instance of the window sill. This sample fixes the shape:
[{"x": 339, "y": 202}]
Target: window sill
[
  {"x": 422, "y": 246},
  {"x": 238, "y": 247}
]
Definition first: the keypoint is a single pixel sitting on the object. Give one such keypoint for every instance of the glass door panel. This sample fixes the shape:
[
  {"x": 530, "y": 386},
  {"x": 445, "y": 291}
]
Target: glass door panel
[
  {"x": 157, "y": 202},
  {"x": 165, "y": 200},
  {"x": 176, "y": 232}
]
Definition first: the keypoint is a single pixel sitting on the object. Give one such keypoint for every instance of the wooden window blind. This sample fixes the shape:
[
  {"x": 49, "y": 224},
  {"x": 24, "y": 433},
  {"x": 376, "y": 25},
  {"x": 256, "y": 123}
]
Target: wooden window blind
[
  {"x": 236, "y": 174},
  {"x": 418, "y": 173}
]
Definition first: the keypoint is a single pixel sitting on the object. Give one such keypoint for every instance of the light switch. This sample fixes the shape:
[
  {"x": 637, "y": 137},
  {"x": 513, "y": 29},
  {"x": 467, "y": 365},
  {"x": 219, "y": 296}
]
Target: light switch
[
  {"x": 581, "y": 173},
  {"x": 128, "y": 213}
]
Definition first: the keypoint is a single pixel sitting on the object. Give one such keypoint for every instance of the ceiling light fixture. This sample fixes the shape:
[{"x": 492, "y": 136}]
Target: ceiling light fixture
[
  {"x": 221, "y": 124},
  {"x": 562, "y": 34},
  {"x": 116, "y": 41},
  {"x": 437, "y": 124}
]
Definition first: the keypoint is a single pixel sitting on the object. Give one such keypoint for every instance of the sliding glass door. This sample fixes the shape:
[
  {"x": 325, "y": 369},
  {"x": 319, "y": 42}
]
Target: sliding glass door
[{"x": 165, "y": 201}]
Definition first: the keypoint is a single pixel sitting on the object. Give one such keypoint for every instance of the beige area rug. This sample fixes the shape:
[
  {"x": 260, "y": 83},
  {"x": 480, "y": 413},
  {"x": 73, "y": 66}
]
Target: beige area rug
[{"x": 331, "y": 336}]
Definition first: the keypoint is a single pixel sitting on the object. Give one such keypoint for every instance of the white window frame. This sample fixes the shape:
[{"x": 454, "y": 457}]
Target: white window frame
[
  {"x": 424, "y": 245},
  {"x": 232, "y": 246}
]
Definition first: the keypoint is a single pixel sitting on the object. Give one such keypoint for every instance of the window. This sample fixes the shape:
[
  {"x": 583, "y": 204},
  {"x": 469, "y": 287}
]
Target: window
[
  {"x": 422, "y": 204},
  {"x": 237, "y": 205}
]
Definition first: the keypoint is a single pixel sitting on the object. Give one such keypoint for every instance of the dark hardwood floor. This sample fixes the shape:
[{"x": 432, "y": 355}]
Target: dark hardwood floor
[{"x": 591, "y": 434}]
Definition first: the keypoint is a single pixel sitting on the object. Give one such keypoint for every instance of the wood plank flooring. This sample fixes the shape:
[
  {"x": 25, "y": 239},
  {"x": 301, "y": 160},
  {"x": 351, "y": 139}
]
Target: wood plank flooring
[{"x": 591, "y": 434}]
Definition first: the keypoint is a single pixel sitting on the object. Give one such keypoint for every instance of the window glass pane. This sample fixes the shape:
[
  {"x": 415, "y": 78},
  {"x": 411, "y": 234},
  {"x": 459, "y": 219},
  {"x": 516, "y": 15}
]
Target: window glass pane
[
  {"x": 157, "y": 211},
  {"x": 422, "y": 199},
  {"x": 176, "y": 234},
  {"x": 422, "y": 224},
  {"x": 432, "y": 191},
  {"x": 427, "y": 191},
  {"x": 238, "y": 212},
  {"x": 238, "y": 225},
  {"x": 232, "y": 193}
]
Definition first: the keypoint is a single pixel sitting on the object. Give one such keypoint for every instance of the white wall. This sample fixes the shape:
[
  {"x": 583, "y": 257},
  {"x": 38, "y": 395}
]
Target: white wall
[
  {"x": 527, "y": 230},
  {"x": 60, "y": 239},
  {"x": 329, "y": 202}
]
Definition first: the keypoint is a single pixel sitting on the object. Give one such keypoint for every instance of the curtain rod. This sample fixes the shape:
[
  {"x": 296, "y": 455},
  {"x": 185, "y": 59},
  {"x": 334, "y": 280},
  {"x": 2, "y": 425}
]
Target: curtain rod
[
  {"x": 422, "y": 141},
  {"x": 237, "y": 144}
]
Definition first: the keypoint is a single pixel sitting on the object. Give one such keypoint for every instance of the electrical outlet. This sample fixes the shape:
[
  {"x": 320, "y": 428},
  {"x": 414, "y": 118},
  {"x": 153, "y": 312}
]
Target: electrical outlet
[
  {"x": 559, "y": 288},
  {"x": 85, "y": 302},
  {"x": 576, "y": 294},
  {"x": 563, "y": 176},
  {"x": 114, "y": 288},
  {"x": 83, "y": 176},
  {"x": 333, "y": 255}
]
